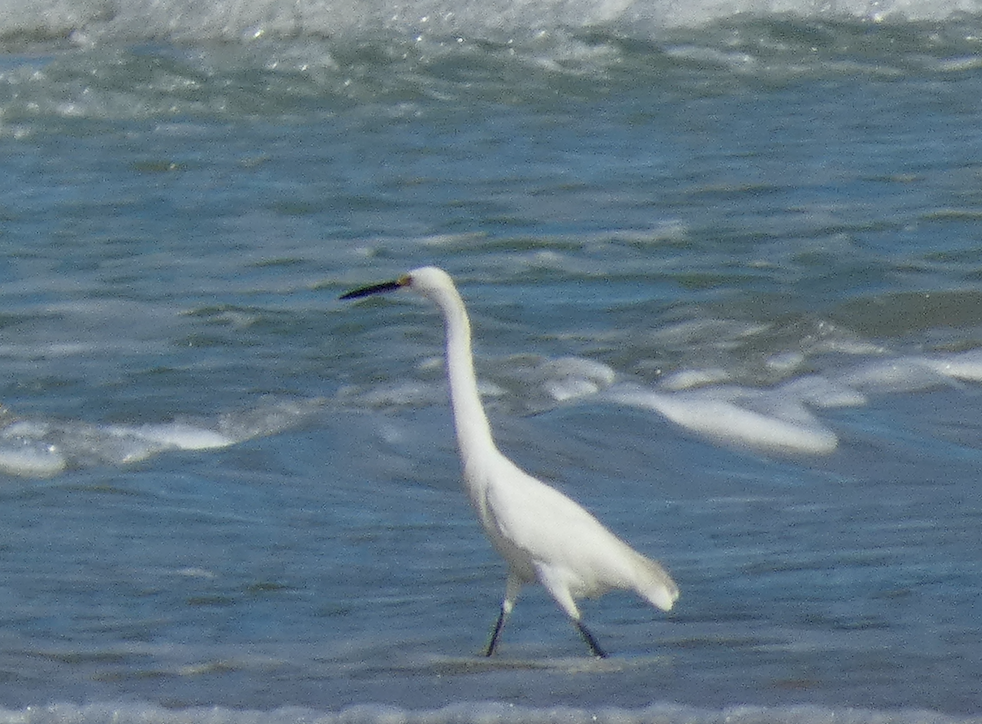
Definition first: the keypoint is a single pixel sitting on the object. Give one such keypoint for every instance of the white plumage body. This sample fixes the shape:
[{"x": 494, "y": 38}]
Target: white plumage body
[{"x": 546, "y": 536}]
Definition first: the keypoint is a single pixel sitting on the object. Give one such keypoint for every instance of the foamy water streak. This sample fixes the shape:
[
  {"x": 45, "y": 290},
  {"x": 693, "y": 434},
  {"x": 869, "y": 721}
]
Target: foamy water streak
[
  {"x": 489, "y": 713},
  {"x": 784, "y": 419},
  {"x": 42, "y": 448},
  {"x": 184, "y": 20}
]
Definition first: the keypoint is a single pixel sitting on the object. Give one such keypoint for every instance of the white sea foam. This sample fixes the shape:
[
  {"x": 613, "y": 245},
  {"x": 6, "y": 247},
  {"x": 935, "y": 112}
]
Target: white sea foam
[
  {"x": 821, "y": 392},
  {"x": 725, "y": 414},
  {"x": 186, "y": 20},
  {"x": 182, "y": 436},
  {"x": 461, "y": 713},
  {"x": 901, "y": 374},
  {"x": 689, "y": 379},
  {"x": 571, "y": 377},
  {"x": 30, "y": 458},
  {"x": 964, "y": 366},
  {"x": 782, "y": 419},
  {"x": 42, "y": 448}
]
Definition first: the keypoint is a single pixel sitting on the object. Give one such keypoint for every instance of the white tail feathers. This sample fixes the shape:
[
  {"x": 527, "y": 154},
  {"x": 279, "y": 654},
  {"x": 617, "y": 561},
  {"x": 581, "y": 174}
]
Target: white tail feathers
[{"x": 655, "y": 585}]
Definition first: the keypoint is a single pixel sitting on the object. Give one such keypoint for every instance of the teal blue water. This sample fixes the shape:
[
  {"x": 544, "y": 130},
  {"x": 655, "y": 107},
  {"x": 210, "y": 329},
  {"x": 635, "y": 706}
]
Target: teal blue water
[{"x": 725, "y": 277}]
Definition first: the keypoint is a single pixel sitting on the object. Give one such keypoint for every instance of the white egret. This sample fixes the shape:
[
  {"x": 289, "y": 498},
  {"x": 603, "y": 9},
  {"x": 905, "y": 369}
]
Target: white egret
[{"x": 541, "y": 533}]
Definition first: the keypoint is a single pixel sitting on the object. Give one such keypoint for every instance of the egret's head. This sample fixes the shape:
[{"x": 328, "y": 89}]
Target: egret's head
[{"x": 428, "y": 281}]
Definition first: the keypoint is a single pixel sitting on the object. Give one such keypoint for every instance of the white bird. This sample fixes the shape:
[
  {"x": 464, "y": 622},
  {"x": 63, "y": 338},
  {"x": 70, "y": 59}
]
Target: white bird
[{"x": 541, "y": 533}]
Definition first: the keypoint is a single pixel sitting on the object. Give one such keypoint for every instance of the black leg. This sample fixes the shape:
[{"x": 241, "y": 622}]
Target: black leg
[
  {"x": 590, "y": 640},
  {"x": 512, "y": 587},
  {"x": 500, "y": 624}
]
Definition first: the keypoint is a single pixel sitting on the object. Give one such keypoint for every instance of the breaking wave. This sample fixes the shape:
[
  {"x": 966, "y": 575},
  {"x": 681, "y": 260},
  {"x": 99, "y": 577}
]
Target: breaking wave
[{"x": 88, "y": 21}]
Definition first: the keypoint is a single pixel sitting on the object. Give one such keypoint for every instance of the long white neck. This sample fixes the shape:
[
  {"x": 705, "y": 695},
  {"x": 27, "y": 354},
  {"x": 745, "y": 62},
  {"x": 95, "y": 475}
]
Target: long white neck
[{"x": 470, "y": 421}]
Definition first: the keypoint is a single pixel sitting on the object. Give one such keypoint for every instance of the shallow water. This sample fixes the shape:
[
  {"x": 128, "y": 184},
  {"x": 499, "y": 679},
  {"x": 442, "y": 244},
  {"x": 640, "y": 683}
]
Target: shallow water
[{"x": 724, "y": 279}]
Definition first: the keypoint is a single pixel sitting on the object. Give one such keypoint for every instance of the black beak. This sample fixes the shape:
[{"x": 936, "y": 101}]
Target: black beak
[{"x": 376, "y": 289}]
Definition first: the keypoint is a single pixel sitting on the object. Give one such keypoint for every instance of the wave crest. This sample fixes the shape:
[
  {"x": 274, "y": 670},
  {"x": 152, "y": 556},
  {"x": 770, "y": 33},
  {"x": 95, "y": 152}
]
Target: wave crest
[{"x": 92, "y": 21}]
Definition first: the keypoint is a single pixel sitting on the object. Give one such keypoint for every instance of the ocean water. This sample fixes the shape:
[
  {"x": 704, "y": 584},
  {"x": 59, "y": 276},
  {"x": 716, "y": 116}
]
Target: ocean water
[{"x": 724, "y": 267}]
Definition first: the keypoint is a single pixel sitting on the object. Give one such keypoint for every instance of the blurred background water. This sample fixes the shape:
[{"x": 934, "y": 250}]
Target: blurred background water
[{"x": 724, "y": 265}]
